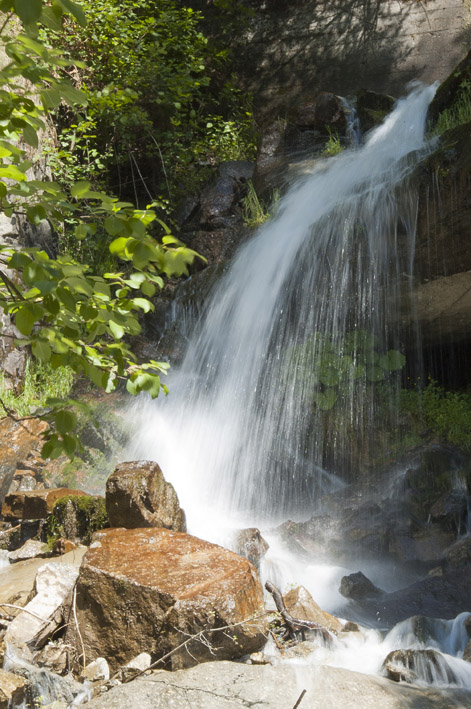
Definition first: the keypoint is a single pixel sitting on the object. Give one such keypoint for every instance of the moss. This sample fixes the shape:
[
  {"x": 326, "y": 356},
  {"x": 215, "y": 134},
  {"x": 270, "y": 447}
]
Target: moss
[{"x": 76, "y": 517}]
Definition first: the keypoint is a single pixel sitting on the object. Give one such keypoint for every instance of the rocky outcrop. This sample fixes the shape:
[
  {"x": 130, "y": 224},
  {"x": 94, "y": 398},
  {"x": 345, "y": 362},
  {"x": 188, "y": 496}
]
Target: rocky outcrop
[
  {"x": 137, "y": 495},
  {"x": 358, "y": 586},
  {"x": 12, "y": 690},
  {"x": 230, "y": 685},
  {"x": 37, "y": 504},
  {"x": 153, "y": 589}
]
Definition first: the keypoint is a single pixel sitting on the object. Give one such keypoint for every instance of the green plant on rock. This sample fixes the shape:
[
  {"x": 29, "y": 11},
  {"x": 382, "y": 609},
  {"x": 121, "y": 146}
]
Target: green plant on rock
[
  {"x": 41, "y": 382},
  {"x": 458, "y": 113},
  {"x": 76, "y": 517},
  {"x": 330, "y": 367},
  {"x": 66, "y": 313},
  {"x": 333, "y": 145},
  {"x": 254, "y": 211}
]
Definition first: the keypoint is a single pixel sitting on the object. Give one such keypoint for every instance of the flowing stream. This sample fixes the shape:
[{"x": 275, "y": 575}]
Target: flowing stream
[{"x": 275, "y": 402}]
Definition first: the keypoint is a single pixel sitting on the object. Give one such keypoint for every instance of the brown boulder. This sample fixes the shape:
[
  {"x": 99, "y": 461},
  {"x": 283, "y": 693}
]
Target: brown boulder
[
  {"x": 36, "y": 504},
  {"x": 153, "y": 589},
  {"x": 300, "y": 604},
  {"x": 137, "y": 495},
  {"x": 12, "y": 689}
]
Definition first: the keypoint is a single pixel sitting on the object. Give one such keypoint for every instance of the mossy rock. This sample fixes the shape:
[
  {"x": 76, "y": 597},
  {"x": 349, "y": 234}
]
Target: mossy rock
[
  {"x": 76, "y": 518},
  {"x": 372, "y": 108},
  {"x": 449, "y": 90}
]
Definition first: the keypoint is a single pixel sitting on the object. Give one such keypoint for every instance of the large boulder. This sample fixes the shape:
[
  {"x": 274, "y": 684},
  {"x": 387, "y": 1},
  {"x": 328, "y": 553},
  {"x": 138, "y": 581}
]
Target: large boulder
[
  {"x": 231, "y": 685},
  {"x": 137, "y": 495},
  {"x": 37, "y": 504},
  {"x": 153, "y": 589}
]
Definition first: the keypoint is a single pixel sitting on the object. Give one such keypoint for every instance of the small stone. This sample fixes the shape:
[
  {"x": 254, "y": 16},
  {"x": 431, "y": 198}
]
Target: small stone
[
  {"x": 350, "y": 627},
  {"x": 30, "y": 550},
  {"x": 96, "y": 671},
  {"x": 141, "y": 662}
]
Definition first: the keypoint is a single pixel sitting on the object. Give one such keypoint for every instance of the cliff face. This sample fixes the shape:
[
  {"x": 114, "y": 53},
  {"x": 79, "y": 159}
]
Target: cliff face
[{"x": 288, "y": 48}]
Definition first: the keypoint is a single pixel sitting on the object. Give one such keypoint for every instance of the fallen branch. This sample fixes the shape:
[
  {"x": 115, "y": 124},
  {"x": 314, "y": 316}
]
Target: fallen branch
[
  {"x": 11, "y": 529},
  {"x": 25, "y": 610},
  {"x": 74, "y": 608},
  {"x": 294, "y": 625},
  {"x": 300, "y": 699}
]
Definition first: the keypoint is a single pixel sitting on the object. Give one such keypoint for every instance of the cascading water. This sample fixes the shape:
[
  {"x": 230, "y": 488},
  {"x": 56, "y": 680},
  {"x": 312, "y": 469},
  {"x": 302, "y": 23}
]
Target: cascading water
[
  {"x": 296, "y": 327},
  {"x": 273, "y": 405}
]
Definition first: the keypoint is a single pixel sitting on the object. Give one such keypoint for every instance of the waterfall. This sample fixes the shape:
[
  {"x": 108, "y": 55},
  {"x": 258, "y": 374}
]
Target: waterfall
[{"x": 273, "y": 404}]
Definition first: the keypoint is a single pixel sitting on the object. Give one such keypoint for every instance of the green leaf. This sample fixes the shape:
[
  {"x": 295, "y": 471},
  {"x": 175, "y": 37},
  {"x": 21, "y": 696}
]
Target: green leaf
[
  {"x": 65, "y": 421},
  {"x": 50, "y": 98},
  {"x": 11, "y": 172},
  {"x": 25, "y": 320},
  {"x": 325, "y": 400},
  {"x": 72, "y": 95},
  {"x": 143, "y": 304},
  {"x": 30, "y": 136},
  {"x": 51, "y": 17},
  {"x": 148, "y": 289},
  {"x": 75, "y": 10},
  {"x": 392, "y": 361},
  {"x": 80, "y": 189},
  {"x": 28, "y": 10},
  {"x": 41, "y": 350},
  {"x": 116, "y": 330}
]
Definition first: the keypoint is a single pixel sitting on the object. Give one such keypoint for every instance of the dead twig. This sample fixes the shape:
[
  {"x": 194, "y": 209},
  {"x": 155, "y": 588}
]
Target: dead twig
[
  {"x": 7, "y": 531},
  {"x": 25, "y": 610},
  {"x": 74, "y": 608},
  {"x": 300, "y": 699}
]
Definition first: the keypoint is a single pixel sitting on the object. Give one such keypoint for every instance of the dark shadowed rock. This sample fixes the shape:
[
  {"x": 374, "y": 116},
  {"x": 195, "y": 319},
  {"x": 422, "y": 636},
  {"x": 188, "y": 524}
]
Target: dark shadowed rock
[
  {"x": 137, "y": 495},
  {"x": 372, "y": 108},
  {"x": 424, "y": 665},
  {"x": 459, "y": 554},
  {"x": 152, "y": 589},
  {"x": 358, "y": 586},
  {"x": 323, "y": 110}
]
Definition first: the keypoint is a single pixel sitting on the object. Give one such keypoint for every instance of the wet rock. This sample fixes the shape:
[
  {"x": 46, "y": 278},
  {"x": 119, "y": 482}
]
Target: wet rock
[
  {"x": 300, "y": 651},
  {"x": 372, "y": 108},
  {"x": 137, "y": 495},
  {"x": 54, "y": 656},
  {"x": 30, "y": 550},
  {"x": 45, "y": 612},
  {"x": 411, "y": 665},
  {"x": 37, "y": 504},
  {"x": 250, "y": 543},
  {"x": 270, "y": 158},
  {"x": 216, "y": 246},
  {"x": 450, "y": 89},
  {"x": 17, "y": 440},
  {"x": 48, "y": 689},
  {"x": 218, "y": 201},
  {"x": 76, "y": 518},
  {"x": 152, "y": 589},
  {"x": 320, "y": 111},
  {"x": 450, "y": 509},
  {"x": 350, "y": 627},
  {"x": 300, "y": 604},
  {"x": 459, "y": 554},
  {"x": 12, "y": 689},
  {"x": 358, "y": 586}
]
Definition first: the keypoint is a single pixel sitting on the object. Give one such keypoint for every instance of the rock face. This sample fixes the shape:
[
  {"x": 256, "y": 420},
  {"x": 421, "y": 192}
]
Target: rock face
[
  {"x": 151, "y": 589},
  {"x": 230, "y": 685},
  {"x": 423, "y": 665},
  {"x": 300, "y": 604},
  {"x": 37, "y": 504},
  {"x": 12, "y": 689},
  {"x": 358, "y": 586},
  {"x": 137, "y": 495}
]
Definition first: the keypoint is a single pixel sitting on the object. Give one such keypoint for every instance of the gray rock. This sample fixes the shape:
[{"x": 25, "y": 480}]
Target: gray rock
[
  {"x": 250, "y": 543},
  {"x": 358, "y": 586},
  {"x": 30, "y": 550},
  {"x": 227, "y": 685},
  {"x": 424, "y": 665}
]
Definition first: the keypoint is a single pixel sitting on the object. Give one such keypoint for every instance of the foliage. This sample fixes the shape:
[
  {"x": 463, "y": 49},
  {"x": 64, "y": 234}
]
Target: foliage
[
  {"x": 458, "y": 113},
  {"x": 255, "y": 212},
  {"x": 160, "y": 105},
  {"x": 333, "y": 145},
  {"x": 86, "y": 514},
  {"x": 69, "y": 316},
  {"x": 332, "y": 366},
  {"x": 41, "y": 382},
  {"x": 444, "y": 413}
]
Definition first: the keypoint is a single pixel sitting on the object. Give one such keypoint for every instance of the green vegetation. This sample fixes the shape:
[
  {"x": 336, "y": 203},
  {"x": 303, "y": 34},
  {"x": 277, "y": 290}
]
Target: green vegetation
[
  {"x": 458, "y": 113},
  {"x": 69, "y": 315},
  {"x": 161, "y": 108},
  {"x": 333, "y": 145},
  {"x": 332, "y": 366},
  {"x": 443, "y": 413},
  {"x": 41, "y": 382},
  {"x": 76, "y": 517},
  {"x": 255, "y": 212}
]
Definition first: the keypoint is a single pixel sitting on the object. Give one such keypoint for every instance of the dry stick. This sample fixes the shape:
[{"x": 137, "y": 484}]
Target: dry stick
[
  {"x": 293, "y": 624},
  {"x": 300, "y": 699},
  {"x": 74, "y": 607},
  {"x": 11, "y": 529},
  {"x": 19, "y": 608},
  {"x": 197, "y": 636}
]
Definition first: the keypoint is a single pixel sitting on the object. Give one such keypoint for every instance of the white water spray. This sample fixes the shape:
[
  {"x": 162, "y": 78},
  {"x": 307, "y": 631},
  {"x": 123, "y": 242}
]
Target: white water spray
[{"x": 240, "y": 435}]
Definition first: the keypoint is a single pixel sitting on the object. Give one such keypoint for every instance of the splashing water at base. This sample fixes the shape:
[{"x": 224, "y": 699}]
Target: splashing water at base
[{"x": 248, "y": 434}]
